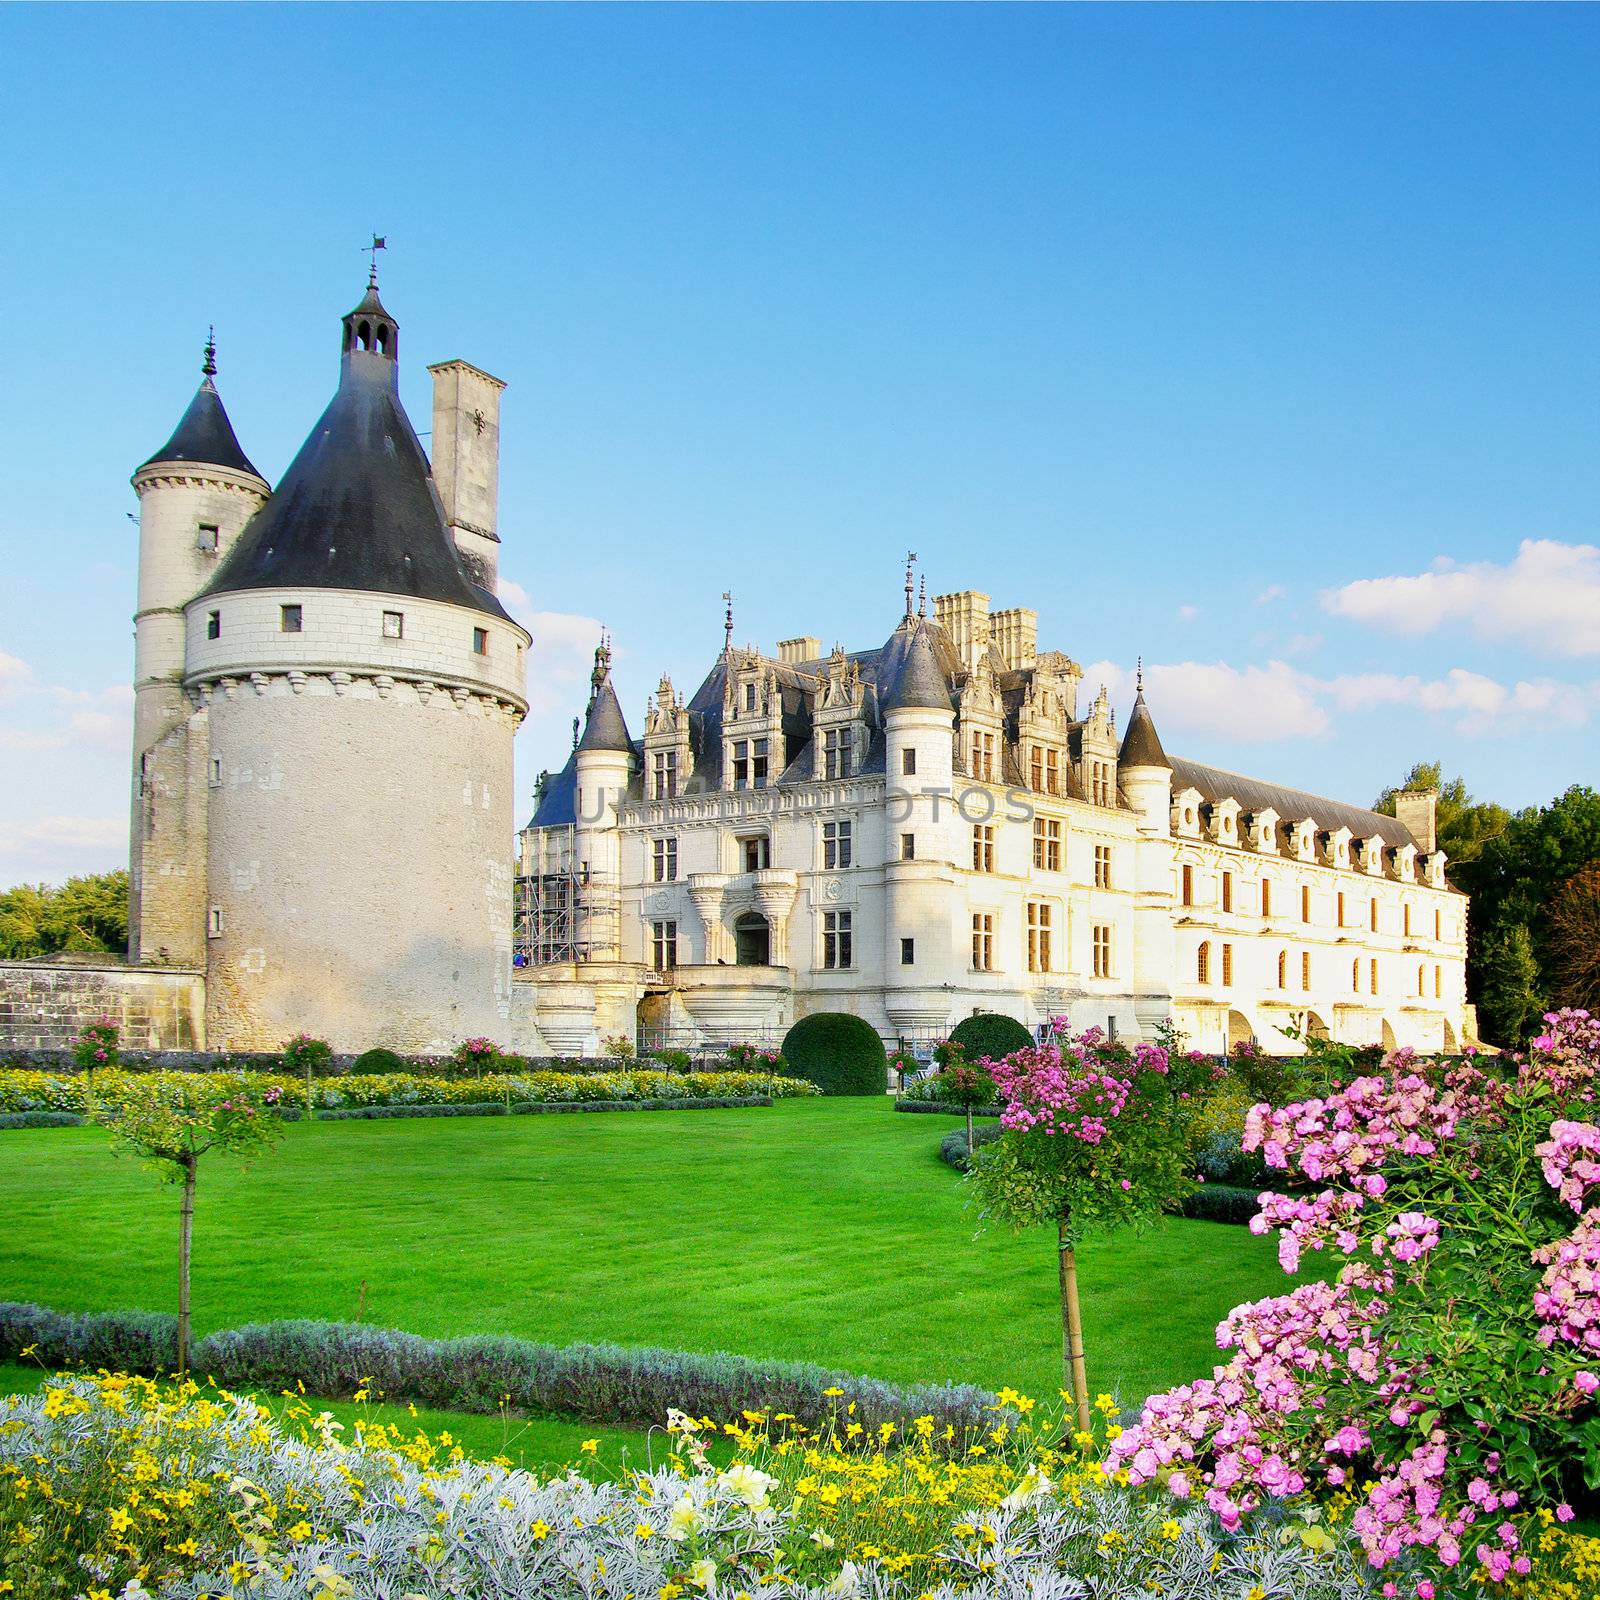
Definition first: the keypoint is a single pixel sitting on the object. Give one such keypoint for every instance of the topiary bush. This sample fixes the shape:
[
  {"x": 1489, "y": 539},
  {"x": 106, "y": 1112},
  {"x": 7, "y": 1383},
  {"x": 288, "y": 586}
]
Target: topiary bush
[
  {"x": 839, "y": 1053},
  {"x": 376, "y": 1061},
  {"x": 990, "y": 1035}
]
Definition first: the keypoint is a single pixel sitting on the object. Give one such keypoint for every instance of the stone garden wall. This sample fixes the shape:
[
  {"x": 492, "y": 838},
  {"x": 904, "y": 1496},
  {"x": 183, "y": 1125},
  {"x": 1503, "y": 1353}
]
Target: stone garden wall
[{"x": 43, "y": 1004}]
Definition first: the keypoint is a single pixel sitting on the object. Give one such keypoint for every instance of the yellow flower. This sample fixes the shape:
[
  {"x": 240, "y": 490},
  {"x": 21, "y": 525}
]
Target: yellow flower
[
  {"x": 540, "y": 1531},
  {"x": 1170, "y": 1529},
  {"x": 301, "y": 1530},
  {"x": 589, "y": 1446},
  {"x": 643, "y": 1530}
]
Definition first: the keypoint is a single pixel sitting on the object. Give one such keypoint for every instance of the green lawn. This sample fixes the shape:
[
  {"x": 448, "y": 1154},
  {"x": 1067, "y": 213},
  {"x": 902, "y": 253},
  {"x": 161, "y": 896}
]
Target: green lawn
[{"x": 825, "y": 1230}]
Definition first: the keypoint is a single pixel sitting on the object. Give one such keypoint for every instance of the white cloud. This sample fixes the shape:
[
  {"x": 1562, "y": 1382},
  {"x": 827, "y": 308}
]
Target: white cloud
[
  {"x": 1253, "y": 704},
  {"x": 1477, "y": 702},
  {"x": 1547, "y": 598},
  {"x": 561, "y": 656},
  {"x": 49, "y": 849},
  {"x": 15, "y": 675},
  {"x": 1188, "y": 613},
  {"x": 1273, "y": 591}
]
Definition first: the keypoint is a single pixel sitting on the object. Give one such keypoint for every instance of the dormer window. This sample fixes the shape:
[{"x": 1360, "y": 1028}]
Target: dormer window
[
  {"x": 749, "y": 697},
  {"x": 837, "y": 753},
  {"x": 208, "y": 537},
  {"x": 664, "y": 774},
  {"x": 749, "y": 763}
]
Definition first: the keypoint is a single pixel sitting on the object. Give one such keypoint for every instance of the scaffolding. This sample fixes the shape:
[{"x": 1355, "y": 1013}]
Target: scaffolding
[{"x": 568, "y": 914}]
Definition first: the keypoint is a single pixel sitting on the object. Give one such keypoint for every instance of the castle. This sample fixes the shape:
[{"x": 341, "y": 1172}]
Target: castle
[{"x": 327, "y": 690}]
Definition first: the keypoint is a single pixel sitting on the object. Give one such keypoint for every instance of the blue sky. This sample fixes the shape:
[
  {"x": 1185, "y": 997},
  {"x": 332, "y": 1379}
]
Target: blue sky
[{"x": 1260, "y": 341}]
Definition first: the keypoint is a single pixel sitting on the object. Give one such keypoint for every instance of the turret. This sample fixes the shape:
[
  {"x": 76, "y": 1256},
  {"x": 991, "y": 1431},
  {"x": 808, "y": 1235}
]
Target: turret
[
  {"x": 604, "y": 763},
  {"x": 920, "y": 816},
  {"x": 1145, "y": 775},
  {"x": 195, "y": 495}
]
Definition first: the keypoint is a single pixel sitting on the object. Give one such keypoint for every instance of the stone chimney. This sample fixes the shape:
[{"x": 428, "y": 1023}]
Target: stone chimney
[
  {"x": 1418, "y": 810},
  {"x": 791, "y": 652},
  {"x": 1016, "y": 635},
  {"x": 965, "y": 617},
  {"x": 466, "y": 463}
]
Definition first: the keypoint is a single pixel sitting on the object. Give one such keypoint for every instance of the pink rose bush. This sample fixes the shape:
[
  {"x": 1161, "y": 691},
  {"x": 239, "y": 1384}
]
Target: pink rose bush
[{"x": 1447, "y": 1377}]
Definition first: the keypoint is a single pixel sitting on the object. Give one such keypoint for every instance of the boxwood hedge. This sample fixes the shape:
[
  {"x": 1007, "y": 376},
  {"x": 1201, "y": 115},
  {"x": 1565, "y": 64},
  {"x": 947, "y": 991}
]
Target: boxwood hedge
[
  {"x": 840, "y": 1053},
  {"x": 990, "y": 1035}
]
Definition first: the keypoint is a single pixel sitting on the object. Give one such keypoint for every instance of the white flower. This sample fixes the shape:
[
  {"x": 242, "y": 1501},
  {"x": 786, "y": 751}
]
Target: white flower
[
  {"x": 1034, "y": 1486},
  {"x": 684, "y": 1519},
  {"x": 703, "y": 1573},
  {"x": 822, "y": 1539},
  {"x": 848, "y": 1581},
  {"x": 748, "y": 1484}
]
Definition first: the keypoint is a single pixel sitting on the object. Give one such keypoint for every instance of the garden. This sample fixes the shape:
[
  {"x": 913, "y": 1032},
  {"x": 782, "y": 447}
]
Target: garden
[{"x": 1049, "y": 1376}]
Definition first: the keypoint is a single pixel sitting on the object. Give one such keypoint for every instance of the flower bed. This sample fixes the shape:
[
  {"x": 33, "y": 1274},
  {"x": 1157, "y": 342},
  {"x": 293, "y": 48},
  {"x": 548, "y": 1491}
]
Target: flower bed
[
  {"x": 192, "y": 1492},
  {"x": 45, "y": 1091}
]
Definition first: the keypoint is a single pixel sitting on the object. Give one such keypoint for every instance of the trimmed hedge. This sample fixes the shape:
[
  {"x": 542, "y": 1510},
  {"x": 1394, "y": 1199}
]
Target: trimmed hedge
[
  {"x": 600, "y": 1382},
  {"x": 376, "y": 1061},
  {"x": 497, "y": 1108},
  {"x": 1222, "y": 1202},
  {"x": 953, "y": 1149},
  {"x": 990, "y": 1035},
  {"x": 41, "y": 1119},
  {"x": 944, "y": 1108},
  {"x": 840, "y": 1053}
]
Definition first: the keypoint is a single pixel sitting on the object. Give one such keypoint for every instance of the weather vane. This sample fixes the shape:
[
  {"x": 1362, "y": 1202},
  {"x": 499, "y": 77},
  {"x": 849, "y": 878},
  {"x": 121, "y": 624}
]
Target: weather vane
[
  {"x": 727, "y": 622},
  {"x": 911, "y": 557},
  {"x": 378, "y": 243}
]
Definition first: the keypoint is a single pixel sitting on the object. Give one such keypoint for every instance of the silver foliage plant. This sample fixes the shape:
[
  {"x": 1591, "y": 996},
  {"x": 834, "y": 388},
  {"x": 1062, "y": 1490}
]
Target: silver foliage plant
[{"x": 389, "y": 1530}]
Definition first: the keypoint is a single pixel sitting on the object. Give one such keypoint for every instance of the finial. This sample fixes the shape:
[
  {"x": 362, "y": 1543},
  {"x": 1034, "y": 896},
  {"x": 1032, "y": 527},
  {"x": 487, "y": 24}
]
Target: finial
[
  {"x": 602, "y": 666},
  {"x": 575, "y": 733},
  {"x": 1138, "y": 676},
  {"x": 378, "y": 243},
  {"x": 911, "y": 557},
  {"x": 922, "y": 594},
  {"x": 727, "y": 624},
  {"x": 209, "y": 365}
]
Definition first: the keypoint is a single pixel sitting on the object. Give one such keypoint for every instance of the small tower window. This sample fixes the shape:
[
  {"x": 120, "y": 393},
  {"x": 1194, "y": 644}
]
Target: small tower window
[
  {"x": 480, "y": 641},
  {"x": 364, "y": 335},
  {"x": 214, "y": 923},
  {"x": 216, "y": 772},
  {"x": 207, "y": 536},
  {"x": 289, "y": 619},
  {"x": 394, "y": 625},
  {"x": 908, "y": 847},
  {"x": 383, "y": 338},
  {"x": 908, "y": 762},
  {"x": 908, "y": 952},
  {"x": 213, "y": 624}
]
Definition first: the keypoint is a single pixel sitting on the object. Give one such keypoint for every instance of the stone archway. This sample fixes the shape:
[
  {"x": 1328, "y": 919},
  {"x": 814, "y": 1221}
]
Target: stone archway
[
  {"x": 1452, "y": 1044},
  {"x": 1239, "y": 1030},
  {"x": 752, "y": 940},
  {"x": 1389, "y": 1041},
  {"x": 1315, "y": 1027}
]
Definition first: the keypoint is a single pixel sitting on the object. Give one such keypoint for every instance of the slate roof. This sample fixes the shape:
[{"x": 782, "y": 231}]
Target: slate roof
[
  {"x": 1141, "y": 745},
  {"x": 606, "y": 728},
  {"x": 908, "y": 673},
  {"x": 1292, "y": 805},
  {"x": 205, "y": 435}
]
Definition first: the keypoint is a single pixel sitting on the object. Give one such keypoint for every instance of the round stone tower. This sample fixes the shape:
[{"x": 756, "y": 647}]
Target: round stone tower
[
  {"x": 195, "y": 495},
  {"x": 360, "y": 694}
]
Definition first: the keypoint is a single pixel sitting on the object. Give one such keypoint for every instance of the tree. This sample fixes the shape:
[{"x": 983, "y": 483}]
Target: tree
[
  {"x": 1508, "y": 978},
  {"x": 1575, "y": 940},
  {"x": 173, "y": 1123},
  {"x": 1464, "y": 825},
  {"x": 1093, "y": 1136},
  {"x": 87, "y": 913}
]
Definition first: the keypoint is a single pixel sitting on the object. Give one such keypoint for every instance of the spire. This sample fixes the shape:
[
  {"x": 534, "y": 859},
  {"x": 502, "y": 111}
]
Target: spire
[
  {"x": 922, "y": 594},
  {"x": 204, "y": 435},
  {"x": 727, "y": 624},
  {"x": 1141, "y": 745},
  {"x": 911, "y": 561},
  {"x": 371, "y": 342},
  {"x": 605, "y": 727}
]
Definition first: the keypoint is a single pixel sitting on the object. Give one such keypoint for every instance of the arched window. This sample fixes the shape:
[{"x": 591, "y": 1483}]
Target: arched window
[
  {"x": 1188, "y": 886},
  {"x": 1408, "y": 919},
  {"x": 1202, "y": 964},
  {"x": 1355, "y": 974},
  {"x": 1420, "y": 976},
  {"x": 383, "y": 338},
  {"x": 1283, "y": 969},
  {"x": 1438, "y": 983},
  {"x": 364, "y": 335}
]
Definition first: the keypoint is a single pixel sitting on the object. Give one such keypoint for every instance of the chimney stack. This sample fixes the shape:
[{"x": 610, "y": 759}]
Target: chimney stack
[
  {"x": 1418, "y": 810},
  {"x": 466, "y": 463}
]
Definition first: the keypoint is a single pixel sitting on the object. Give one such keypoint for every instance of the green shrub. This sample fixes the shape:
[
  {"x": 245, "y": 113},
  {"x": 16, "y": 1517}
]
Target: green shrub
[
  {"x": 673, "y": 1060},
  {"x": 377, "y": 1060},
  {"x": 305, "y": 1055},
  {"x": 41, "y": 1119},
  {"x": 954, "y": 1150},
  {"x": 990, "y": 1035},
  {"x": 1221, "y": 1202},
  {"x": 839, "y": 1053}
]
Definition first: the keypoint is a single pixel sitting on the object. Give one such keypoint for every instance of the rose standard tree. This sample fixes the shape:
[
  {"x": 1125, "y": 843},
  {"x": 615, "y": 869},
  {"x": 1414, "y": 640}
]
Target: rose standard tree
[
  {"x": 172, "y": 1124},
  {"x": 1095, "y": 1136}
]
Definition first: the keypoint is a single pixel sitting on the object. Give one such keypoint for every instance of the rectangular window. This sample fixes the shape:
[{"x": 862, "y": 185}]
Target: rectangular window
[
  {"x": 1188, "y": 886},
  {"x": 1227, "y": 891},
  {"x": 1438, "y": 983},
  {"x": 665, "y": 860},
  {"x": 836, "y": 753},
  {"x": 908, "y": 763},
  {"x": 214, "y": 922},
  {"x": 1305, "y": 969},
  {"x": 1373, "y": 975},
  {"x": 1438, "y": 922},
  {"x": 1340, "y": 922},
  {"x": 213, "y": 624},
  {"x": 757, "y": 853},
  {"x": 741, "y": 763},
  {"x": 1406, "y": 912},
  {"x": 983, "y": 941},
  {"x": 1046, "y": 844},
  {"x": 837, "y": 954},
  {"x": 480, "y": 641},
  {"x": 1227, "y": 965},
  {"x": 983, "y": 847},
  {"x": 835, "y": 845},
  {"x": 1052, "y": 772},
  {"x": 1102, "y": 950},
  {"x": 1372, "y": 913},
  {"x": 908, "y": 847},
  {"x": 664, "y": 774},
  {"x": 749, "y": 697},
  {"x": 908, "y": 952},
  {"x": 1305, "y": 903},
  {"x": 394, "y": 624},
  {"x": 1102, "y": 866},
  {"x": 663, "y": 946},
  {"x": 208, "y": 537},
  {"x": 289, "y": 619},
  {"x": 1100, "y": 782},
  {"x": 1266, "y": 897},
  {"x": 1039, "y": 931},
  {"x": 983, "y": 756},
  {"x": 216, "y": 772}
]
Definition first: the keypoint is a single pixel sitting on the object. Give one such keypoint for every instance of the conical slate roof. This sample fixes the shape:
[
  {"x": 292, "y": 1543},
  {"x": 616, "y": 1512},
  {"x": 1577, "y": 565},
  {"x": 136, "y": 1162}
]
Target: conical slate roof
[
  {"x": 606, "y": 727},
  {"x": 1141, "y": 745},
  {"x": 204, "y": 434},
  {"x": 357, "y": 508},
  {"x": 916, "y": 679}
]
